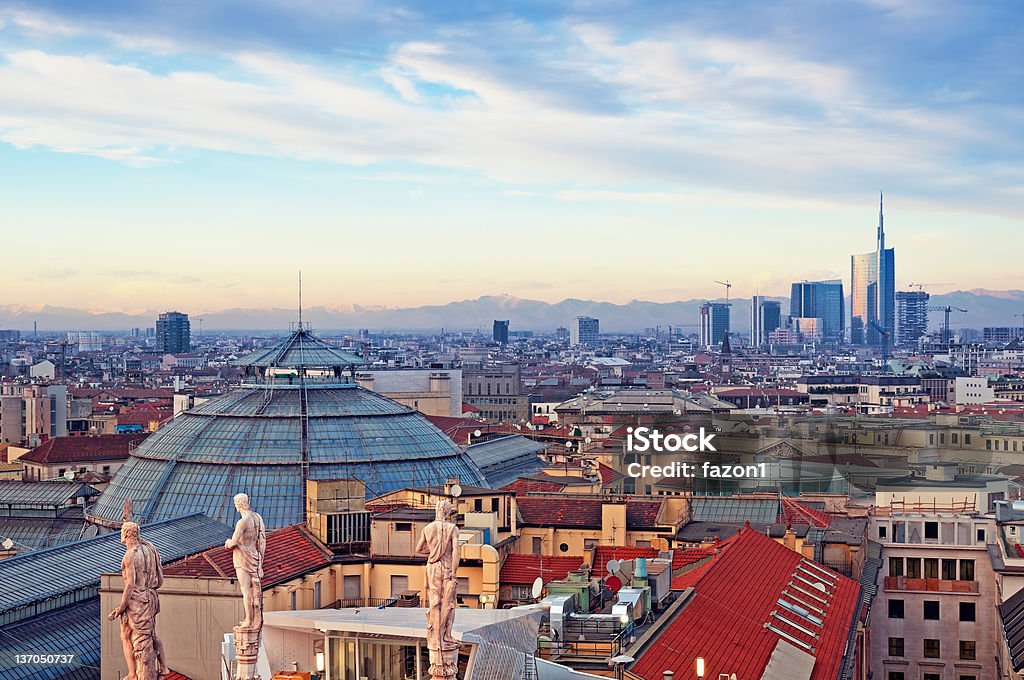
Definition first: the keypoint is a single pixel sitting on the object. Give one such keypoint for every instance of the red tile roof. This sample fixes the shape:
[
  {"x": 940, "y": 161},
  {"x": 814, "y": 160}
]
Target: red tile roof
[
  {"x": 174, "y": 675},
  {"x": 83, "y": 449},
  {"x": 794, "y": 512},
  {"x": 608, "y": 474},
  {"x": 291, "y": 552},
  {"x": 684, "y": 557},
  {"x": 584, "y": 513},
  {"x": 524, "y": 486},
  {"x": 522, "y": 569},
  {"x": 735, "y": 597},
  {"x": 604, "y": 553}
]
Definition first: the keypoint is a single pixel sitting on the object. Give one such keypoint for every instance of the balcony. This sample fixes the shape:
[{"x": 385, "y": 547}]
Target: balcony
[{"x": 930, "y": 585}]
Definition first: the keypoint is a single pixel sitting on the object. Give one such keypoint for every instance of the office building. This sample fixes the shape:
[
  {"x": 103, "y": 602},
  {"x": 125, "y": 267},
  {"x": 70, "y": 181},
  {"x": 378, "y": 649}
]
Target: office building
[
  {"x": 821, "y": 300},
  {"x": 585, "y": 331},
  {"x": 765, "y": 316},
  {"x": 911, "y": 317},
  {"x": 500, "y": 332},
  {"x": 1002, "y": 335},
  {"x": 714, "y": 323},
  {"x": 496, "y": 391},
  {"x": 873, "y": 298},
  {"x": 173, "y": 333}
]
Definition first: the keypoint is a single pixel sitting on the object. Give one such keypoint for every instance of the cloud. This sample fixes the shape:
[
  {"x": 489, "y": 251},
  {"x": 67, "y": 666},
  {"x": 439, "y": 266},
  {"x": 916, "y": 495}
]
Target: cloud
[
  {"x": 57, "y": 274},
  {"x": 580, "y": 109}
]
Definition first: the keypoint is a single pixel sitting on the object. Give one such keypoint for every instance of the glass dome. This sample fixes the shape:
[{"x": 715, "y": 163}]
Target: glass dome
[{"x": 265, "y": 439}]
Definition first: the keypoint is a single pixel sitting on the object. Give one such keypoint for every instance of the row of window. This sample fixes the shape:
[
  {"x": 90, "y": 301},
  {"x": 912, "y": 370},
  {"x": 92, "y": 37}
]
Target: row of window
[
  {"x": 929, "y": 567},
  {"x": 900, "y": 675},
  {"x": 930, "y": 611},
  {"x": 932, "y": 649},
  {"x": 989, "y": 446}
]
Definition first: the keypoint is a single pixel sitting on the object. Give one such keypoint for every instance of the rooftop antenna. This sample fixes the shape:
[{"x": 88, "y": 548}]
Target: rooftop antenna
[{"x": 300, "y": 299}]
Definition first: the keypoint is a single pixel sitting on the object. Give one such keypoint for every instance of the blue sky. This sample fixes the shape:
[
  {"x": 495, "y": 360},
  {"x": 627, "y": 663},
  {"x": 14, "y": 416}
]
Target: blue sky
[{"x": 195, "y": 154}]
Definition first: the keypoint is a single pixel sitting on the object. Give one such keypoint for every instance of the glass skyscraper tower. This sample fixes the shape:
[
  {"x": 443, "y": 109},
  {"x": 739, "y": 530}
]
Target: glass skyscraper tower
[{"x": 873, "y": 303}]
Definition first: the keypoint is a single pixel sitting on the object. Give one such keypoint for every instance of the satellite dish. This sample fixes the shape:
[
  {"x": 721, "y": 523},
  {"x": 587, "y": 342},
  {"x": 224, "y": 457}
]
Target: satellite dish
[
  {"x": 614, "y": 583},
  {"x": 613, "y": 566},
  {"x": 69, "y": 475},
  {"x": 456, "y": 490},
  {"x": 8, "y": 544},
  {"x": 587, "y": 440},
  {"x": 477, "y": 433},
  {"x": 538, "y": 587}
]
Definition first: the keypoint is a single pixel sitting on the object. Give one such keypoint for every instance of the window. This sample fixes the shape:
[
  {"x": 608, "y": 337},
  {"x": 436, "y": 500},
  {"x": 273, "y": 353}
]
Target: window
[
  {"x": 967, "y": 439},
  {"x": 316, "y": 595},
  {"x": 399, "y": 584},
  {"x": 292, "y": 602},
  {"x": 895, "y": 566},
  {"x": 981, "y": 535},
  {"x": 931, "y": 676},
  {"x": 495, "y": 504},
  {"x": 462, "y": 585},
  {"x": 931, "y": 649},
  {"x": 948, "y": 570},
  {"x": 931, "y": 567},
  {"x": 478, "y": 504},
  {"x": 967, "y": 611},
  {"x": 589, "y": 543},
  {"x": 931, "y": 530},
  {"x": 895, "y": 646},
  {"x": 643, "y": 544},
  {"x": 967, "y": 569},
  {"x": 895, "y": 609},
  {"x": 896, "y": 675},
  {"x": 968, "y": 650},
  {"x": 931, "y": 610},
  {"x": 882, "y": 530},
  {"x": 913, "y": 567},
  {"x": 538, "y": 545},
  {"x": 564, "y": 547},
  {"x": 968, "y": 677},
  {"x": 353, "y": 587},
  {"x": 403, "y": 526}
]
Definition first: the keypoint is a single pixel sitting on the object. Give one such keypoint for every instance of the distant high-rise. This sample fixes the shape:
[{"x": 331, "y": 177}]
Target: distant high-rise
[
  {"x": 714, "y": 323},
  {"x": 765, "y": 316},
  {"x": 820, "y": 300},
  {"x": 585, "y": 331},
  {"x": 500, "y": 332},
  {"x": 911, "y": 317},
  {"x": 173, "y": 333},
  {"x": 873, "y": 279}
]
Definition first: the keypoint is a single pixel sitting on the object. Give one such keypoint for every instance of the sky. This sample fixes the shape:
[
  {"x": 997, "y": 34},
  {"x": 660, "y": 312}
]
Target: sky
[{"x": 195, "y": 154}]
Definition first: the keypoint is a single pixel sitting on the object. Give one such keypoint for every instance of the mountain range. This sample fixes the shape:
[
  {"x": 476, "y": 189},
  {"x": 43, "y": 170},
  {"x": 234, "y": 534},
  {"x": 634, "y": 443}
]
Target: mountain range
[{"x": 985, "y": 308}]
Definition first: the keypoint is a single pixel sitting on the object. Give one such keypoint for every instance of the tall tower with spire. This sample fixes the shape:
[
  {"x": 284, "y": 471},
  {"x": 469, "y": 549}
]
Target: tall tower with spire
[{"x": 873, "y": 291}]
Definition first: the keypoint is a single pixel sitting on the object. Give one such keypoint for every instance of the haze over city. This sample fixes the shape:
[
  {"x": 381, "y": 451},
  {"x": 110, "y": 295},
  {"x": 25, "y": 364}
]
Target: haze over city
[{"x": 417, "y": 155}]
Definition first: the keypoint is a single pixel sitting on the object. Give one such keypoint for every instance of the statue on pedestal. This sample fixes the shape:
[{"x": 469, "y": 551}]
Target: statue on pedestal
[
  {"x": 248, "y": 545},
  {"x": 140, "y": 603},
  {"x": 440, "y": 541}
]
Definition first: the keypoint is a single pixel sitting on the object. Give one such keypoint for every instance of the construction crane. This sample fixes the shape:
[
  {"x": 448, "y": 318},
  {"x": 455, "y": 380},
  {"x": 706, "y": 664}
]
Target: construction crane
[
  {"x": 728, "y": 285},
  {"x": 945, "y": 326},
  {"x": 921, "y": 286}
]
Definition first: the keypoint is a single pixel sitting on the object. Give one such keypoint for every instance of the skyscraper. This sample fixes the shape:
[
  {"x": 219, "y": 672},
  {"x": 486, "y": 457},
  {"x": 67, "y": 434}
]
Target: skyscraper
[
  {"x": 911, "y": 317},
  {"x": 585, "y": 331},
  {"x": 714, "y": 323},
  {"x": 500, "y": 332},
  {"x": 765, "y": 316},
  {"x": 873, "y": 279},
  {"x": 173, "y": 333},
  {"x": 820, "y": 300}
]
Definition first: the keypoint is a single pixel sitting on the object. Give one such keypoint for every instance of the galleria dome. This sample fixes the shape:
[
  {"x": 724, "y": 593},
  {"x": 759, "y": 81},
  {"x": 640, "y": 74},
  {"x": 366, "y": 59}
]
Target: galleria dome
[{"x": 296, "y": 416}]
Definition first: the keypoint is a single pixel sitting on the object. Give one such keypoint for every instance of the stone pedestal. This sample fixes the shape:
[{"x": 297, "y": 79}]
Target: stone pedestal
[
  {"x": 247, "y": 650},
  {"x": 444, "y": 665}
]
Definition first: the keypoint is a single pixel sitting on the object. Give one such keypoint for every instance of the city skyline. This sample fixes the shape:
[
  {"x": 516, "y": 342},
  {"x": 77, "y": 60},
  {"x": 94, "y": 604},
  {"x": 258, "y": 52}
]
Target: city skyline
[{"x": 185, "y": 159}]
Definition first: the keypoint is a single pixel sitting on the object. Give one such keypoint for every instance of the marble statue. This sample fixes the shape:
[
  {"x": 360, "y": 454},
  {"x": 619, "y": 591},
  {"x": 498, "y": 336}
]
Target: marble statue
[
  {"x": 248, "y": 545},
  {"x": 440, "y": 541},
  {"x": 139, "y": 606}
]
